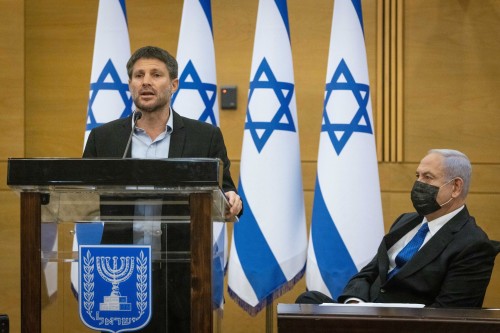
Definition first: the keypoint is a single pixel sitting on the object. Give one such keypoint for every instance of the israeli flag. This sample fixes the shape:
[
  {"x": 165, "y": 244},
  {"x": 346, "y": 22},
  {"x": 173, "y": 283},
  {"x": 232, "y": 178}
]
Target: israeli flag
[
  {"x": 269, "y": 242},
  {"x": 197, "y": 94},
  {"x": 347, "y": 223},
  {"x": 109, "y": 97},
  {"x": 196, "y": 98}
]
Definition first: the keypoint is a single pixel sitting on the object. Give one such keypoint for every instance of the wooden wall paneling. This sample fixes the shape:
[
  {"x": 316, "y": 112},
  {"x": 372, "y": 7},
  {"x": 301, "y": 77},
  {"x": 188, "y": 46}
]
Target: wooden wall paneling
[
  {"x": 153, "y": 22},
  {"x": 399, "y": 81},
  {"x": 481, "y": 207},
  {"x": 10, "y": 252},
  {"x": 11, "y": 145},
  {"x": 492, "y": 297},
  {"x": 234, "y": 23},
  {"x": 451, "y": 78},
  {"x": 390, "y": 77},
  {"x": 3, "y": 173},
  {"x": 310, "y": 47},
  {"x": 386, "y": 88},
  {"x": 59, "y": 49},
  {"x": 12, "y": 75}
]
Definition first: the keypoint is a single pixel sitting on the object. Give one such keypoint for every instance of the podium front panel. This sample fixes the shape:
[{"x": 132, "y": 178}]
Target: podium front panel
[
  {"x": 160, "y": 220},
  {"x": 165, "y": 216}
]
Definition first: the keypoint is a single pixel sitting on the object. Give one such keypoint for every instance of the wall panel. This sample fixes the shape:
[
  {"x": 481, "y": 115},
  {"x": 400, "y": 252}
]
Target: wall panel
[
  {"x": 12, "y": 76},
  {"x": 10, "y": 286},
  {"x": 451, "y": 78},
  {"x": 11, "y": 145},
  {"x": 59, "y": 48}
]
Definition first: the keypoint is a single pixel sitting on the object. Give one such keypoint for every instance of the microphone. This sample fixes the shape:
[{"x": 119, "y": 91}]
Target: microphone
[{"x": 137, "y": 116}]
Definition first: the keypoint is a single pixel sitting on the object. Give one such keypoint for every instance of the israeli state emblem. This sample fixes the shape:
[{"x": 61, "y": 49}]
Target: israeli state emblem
[{"x": 115, "y": 287}]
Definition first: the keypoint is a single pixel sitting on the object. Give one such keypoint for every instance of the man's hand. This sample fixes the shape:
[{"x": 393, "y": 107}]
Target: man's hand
[
  {"x": 235, "y": 204},
  {"x": 352, "y": 301}
]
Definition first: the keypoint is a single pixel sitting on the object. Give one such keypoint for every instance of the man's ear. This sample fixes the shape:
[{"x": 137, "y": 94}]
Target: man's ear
[
  {"x": 458, "y": 186},
  {"x": 175, "y": 85}
]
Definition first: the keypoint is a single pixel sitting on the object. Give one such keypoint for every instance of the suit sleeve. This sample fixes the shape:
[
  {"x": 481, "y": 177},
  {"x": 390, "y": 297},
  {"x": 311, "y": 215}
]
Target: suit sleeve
[
  {"x": 360, "y": 284},
  {"x": 218, "y": 149}
]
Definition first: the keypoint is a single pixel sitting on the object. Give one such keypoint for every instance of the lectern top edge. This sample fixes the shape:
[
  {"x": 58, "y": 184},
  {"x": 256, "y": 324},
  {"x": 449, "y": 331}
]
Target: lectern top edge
[{"x": 173, "y": 173}]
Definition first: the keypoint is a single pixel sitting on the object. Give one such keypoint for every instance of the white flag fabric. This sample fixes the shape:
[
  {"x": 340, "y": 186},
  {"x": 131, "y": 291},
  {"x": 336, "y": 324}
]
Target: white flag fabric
[
  {"x": 196, "y": 98},
  {"x": 109, "y": 96},
  {"x": 347, "y": 222},
  {"x": 269, "y": 243},
  {"x": 197, "y": 94}
]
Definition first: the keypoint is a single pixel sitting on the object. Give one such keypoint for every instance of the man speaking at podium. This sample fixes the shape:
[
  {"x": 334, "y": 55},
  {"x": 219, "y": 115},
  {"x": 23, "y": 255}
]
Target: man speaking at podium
[
  {"x": 155, "y": 131},
  {"x": 159, "y": 131},
  {"x": 437, "y": 256}
]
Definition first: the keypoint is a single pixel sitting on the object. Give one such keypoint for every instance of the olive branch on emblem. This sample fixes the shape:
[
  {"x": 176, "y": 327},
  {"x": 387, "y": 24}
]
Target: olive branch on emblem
[
  {"x": 88, "y": 284},
  {"x": 142, "y": 284}
]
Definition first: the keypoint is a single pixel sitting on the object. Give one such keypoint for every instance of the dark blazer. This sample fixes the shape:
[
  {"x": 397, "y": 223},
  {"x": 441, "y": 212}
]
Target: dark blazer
[
  {"x": 190, "y": 138},
  {"x": 452, "y": 269}
]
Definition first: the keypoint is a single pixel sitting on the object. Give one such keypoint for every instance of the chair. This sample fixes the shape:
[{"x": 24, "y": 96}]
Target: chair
[{"x": 496, "y": 245}]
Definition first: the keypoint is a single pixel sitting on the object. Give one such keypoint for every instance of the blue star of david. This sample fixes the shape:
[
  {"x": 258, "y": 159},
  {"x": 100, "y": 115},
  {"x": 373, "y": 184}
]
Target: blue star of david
[
  {"x": 116, "y": 84},
  {"x": 207, "y": 92},
  {"x": 282, "y": 120},
  {"x": 360, "y": 122}
]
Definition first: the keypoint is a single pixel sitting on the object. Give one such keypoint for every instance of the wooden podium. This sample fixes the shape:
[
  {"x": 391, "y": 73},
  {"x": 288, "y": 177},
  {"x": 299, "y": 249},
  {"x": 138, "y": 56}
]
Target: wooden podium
[{"x": 194, "y": 183}]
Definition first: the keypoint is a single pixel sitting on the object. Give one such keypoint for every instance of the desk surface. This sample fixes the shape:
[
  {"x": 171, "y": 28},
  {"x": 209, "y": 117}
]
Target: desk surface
[{"x": 295, "y": 318}]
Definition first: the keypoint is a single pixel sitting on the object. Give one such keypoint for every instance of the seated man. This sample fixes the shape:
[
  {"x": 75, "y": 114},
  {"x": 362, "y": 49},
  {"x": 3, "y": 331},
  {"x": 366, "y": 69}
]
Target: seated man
[{"x": 437, "y": 256}]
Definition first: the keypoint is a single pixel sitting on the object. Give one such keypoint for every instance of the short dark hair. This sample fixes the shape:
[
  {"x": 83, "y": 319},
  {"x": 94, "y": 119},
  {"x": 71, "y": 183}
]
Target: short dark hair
[{"x": 153, "y": 52}]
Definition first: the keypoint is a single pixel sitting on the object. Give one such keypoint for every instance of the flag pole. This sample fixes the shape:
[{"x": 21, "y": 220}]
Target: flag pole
[
  {"x": 218, "y": 320},
  {"x": 270, "y": 318}
]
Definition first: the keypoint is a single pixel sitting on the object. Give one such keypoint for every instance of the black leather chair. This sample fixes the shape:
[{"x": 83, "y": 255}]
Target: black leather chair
[{"x": 496, "y": 245}]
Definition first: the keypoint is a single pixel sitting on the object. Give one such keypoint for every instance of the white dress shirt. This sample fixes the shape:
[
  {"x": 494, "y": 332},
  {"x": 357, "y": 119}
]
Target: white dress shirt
[
  {"x": 149, "y": 232},
  {"x": 434, "y": 227}
]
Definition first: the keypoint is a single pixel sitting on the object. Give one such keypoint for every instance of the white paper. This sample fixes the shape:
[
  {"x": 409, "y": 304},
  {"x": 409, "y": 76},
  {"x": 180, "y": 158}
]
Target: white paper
[{"x": 378, "y": 305}]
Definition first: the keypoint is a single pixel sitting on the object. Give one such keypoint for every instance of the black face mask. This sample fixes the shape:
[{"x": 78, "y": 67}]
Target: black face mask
[{"x": 424, "y": 197}]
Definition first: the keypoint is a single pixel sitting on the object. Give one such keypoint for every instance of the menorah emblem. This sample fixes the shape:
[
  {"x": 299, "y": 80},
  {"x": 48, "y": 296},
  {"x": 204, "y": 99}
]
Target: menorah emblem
[
  {"x": 128, "y": 269},
  {"x": 115, "y": 275}
]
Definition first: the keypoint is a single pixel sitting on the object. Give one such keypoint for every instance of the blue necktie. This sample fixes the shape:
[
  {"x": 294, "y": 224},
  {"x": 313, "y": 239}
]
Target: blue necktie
[{"x": 410, "y": 249}]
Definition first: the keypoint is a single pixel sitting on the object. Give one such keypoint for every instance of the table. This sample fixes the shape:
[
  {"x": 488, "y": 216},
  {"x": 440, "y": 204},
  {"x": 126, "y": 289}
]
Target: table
[{"x": 299, "y": 318}]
